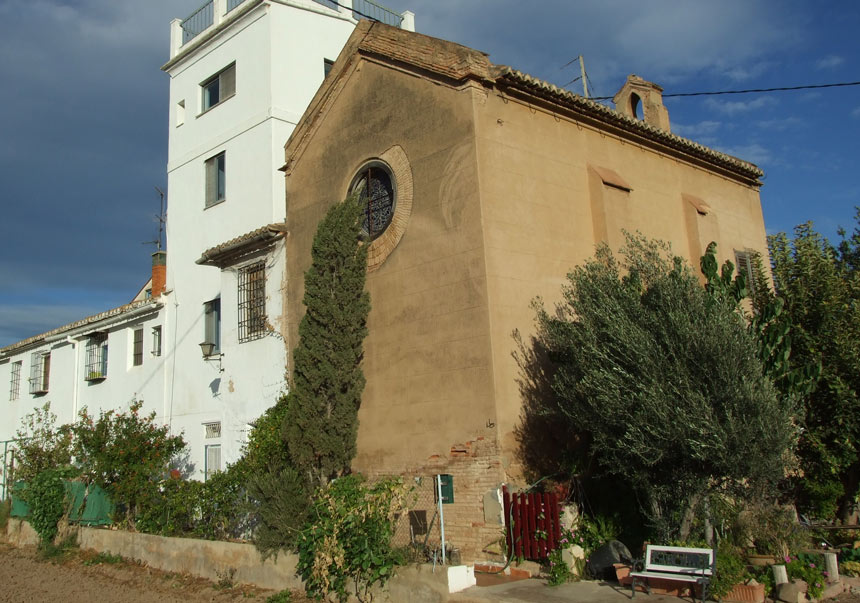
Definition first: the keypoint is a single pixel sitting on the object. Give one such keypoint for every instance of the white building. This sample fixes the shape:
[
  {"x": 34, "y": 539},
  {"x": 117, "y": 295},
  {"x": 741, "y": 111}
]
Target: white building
[{"x": 241, "y": 74}]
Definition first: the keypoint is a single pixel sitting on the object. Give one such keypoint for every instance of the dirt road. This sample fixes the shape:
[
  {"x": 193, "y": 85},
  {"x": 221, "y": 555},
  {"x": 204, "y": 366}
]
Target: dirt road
[{"x": 84, "y": 577}]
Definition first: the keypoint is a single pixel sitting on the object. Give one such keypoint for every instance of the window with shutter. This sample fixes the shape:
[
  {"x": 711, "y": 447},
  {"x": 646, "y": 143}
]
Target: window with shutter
[{"x": 218, "y": 88}]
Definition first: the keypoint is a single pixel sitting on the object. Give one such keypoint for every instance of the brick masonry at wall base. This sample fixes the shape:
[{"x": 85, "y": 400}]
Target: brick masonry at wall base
[{"x": 477, "y": 469}]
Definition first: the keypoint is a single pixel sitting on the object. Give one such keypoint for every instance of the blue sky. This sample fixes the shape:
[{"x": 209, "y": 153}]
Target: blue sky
[{"x": 83, "y": 125}]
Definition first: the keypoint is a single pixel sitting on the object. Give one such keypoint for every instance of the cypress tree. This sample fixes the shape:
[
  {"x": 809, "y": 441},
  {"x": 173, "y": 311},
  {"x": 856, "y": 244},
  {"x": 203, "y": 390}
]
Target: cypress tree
[{"x": 322, "y": 408}]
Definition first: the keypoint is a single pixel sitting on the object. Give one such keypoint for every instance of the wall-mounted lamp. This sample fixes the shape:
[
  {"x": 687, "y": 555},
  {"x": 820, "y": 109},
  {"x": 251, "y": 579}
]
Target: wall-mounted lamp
[{"x": 209, "y": 354}]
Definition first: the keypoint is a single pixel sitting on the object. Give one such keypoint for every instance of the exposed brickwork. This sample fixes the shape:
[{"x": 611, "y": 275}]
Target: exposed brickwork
[
  {"x": 477, "y": 469},
  {"x": 159, "y": 272}
]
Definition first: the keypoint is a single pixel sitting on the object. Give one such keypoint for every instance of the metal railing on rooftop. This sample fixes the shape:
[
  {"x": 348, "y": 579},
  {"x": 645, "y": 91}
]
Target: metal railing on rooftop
[
  {"x": 204, "y": 17},
  {"x": 198, "y": 21},
  {"x": 367, "y": 9}
]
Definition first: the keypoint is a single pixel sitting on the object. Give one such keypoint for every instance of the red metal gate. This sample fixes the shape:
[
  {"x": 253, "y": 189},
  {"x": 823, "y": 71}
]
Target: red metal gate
[{"x": 532, "y": 526}]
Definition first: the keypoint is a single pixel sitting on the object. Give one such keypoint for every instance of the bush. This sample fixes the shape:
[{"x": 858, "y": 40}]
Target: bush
[
  {"x": 348, "y": 540},
  {"x": 731, "y": 569},
  {"x": 170, "y": 509},
  {"x": 283, "y": 504},
  {"x": 809, "y": 569},
  {"x": 47, "y": 496},
  {"x": 41, "y": 444},
  {"x": 124, "y": 453}
]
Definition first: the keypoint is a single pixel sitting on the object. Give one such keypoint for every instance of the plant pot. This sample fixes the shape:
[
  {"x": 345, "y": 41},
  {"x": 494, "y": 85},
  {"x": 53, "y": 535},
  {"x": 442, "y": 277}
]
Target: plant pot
[
  {"x": 745, "y": 593},
  {"x": 762, "y": 560}
]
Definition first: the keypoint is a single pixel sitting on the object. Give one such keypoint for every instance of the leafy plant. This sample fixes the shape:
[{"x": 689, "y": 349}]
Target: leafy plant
[
  {"x": 807, "y": 568},
  {"x": 48, "y": 498},
  {"x": 666, "y": 380},
  {"x": 284, "y": 596},
  {"x": 850, "y": 568},
  {"x": 731, "y": 569},
  {"x": 124, "y": 453},
  {"x": 283, "y": 504},
  {"x": 103, "y": 557},
  {"x": 348, "y": 540},
  {"x": 559, "y": 571},
  {"x": 41, "y": 444},
  {"x": 771, "y": 528}
]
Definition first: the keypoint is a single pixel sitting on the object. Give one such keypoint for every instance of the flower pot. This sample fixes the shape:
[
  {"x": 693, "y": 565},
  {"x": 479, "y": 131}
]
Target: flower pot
[
  {"x": 745, "y": 593},
  {"x": 761, "y": 560}
]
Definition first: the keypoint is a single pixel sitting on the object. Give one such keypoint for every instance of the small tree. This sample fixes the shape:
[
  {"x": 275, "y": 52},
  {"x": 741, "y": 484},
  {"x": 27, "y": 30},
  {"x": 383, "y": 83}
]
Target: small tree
[
  {"x": 665, "y": 380},
  {"x": 41, "y": 444},
  {"x": 124, "y": 453},
  {"x": 322, "y": 407}
]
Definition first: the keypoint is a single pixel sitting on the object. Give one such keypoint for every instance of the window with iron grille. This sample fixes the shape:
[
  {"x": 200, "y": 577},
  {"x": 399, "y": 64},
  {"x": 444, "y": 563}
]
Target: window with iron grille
[
  {"x": 97, "y": 357},
  {"x": 15, "y": 382},
  {"x": 252, "y": 302},
  {"x": 40, "y": 372},
  {"x": 156, "y": 341},
  {"x": 213, "y": 429},
  {"x": 375, "y": 189},
  {"x": 137, "y": 347}
]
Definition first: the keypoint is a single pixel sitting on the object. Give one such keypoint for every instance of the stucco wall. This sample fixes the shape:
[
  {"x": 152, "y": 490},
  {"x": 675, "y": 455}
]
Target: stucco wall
[{"x": 545, "y": 208}]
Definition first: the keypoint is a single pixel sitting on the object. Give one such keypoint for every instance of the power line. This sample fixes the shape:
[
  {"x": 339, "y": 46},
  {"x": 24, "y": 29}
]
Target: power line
[{"x": 781, "y": 89}]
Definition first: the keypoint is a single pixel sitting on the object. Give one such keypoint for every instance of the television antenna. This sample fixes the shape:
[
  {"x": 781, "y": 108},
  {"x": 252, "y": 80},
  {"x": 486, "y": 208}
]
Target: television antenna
[{"x": 161, "y": 218}]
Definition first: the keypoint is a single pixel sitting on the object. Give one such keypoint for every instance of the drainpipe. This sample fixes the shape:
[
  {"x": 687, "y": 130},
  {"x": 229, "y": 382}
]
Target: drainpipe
[{"x": 75, "y": 384}]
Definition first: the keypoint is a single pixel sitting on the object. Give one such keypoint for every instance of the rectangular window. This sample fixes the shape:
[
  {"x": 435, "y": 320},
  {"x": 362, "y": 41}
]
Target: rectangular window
[
  {"x": 137, "y": 347},
  {"x": 97, "y": 357},
  {"x": 213, "y": 460},
  {"x": 219, "y": 87},
  {"x": 216, "y": 179},
  {"x": 327, "y": 65},
  {"x": 213, "y": 429},
  {"x": 40, "y": 372},
  {"x": 15, "y": 381},
  {"x": 744, "y": 261},
  {"x": 212, "y": 324},
  {"x": 252, "y": 302},
  {"x": 156, "y": 341}
]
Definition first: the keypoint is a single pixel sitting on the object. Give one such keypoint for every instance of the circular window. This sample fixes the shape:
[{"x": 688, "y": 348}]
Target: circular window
[{"x": 375, "y": 189}]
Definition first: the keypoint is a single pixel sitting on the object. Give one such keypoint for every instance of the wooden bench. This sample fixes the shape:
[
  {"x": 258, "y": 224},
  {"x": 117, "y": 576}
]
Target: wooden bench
[{"x": 677, "y": 563}]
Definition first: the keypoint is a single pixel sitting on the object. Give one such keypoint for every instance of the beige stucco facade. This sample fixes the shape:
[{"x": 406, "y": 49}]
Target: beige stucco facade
[{"x": 512, "y": 183}]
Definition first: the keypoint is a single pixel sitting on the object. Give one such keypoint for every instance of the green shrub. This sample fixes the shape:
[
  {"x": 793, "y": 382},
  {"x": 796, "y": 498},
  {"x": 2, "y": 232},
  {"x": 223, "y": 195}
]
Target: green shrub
[
  {"x": 808, "y": 568},
  {"x": 224, "y": 508},
  {"x": 283, "y": 504},
  {"x": 41, "y": 444},
  {"x": 48, "y": 498},
  {"x": 5, "y": 511},
  {"x": 348, "y": 540},
  {"x": 283, "y": 596},
  {"x": 124, "y": 453},
  {"x": 731, "y": 569},
  {"x": 171, "y": 508}
]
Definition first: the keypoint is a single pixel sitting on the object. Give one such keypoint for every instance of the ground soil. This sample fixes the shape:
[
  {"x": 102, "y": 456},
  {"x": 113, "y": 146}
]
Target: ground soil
[{"x": 84, "y": 577}]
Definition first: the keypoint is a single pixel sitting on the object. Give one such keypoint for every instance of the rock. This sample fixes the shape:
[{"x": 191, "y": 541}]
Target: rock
[
  {"x": 569, "y": 517},
  {"x": 602, "y": 560},
  {"x": 792, "y": 592},
  {"x": 572, "y": 557},
  {"x": 832, "y": 590}
]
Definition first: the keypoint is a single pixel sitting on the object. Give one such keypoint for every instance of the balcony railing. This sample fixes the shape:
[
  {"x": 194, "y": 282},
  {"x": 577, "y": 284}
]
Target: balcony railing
[
  {"x": 367, "y": 9},
  {"x": 205, "y": 17},
  {"x": 198, "y": 21}
]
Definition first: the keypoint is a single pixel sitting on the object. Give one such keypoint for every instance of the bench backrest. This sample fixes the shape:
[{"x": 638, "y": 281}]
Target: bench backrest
[{"x": 679, "y": 559}]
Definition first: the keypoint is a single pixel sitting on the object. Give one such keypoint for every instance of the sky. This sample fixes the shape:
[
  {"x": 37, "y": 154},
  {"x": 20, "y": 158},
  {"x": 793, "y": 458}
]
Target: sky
[{"x": 84, "y": 116}]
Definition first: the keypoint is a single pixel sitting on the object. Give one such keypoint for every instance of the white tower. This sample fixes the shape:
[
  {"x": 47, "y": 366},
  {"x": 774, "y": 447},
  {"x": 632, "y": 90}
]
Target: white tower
[{"x": 241, "y": 74}]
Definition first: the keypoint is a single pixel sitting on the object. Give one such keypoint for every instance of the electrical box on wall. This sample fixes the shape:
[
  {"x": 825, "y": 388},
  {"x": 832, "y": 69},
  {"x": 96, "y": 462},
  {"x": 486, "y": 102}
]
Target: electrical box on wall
[{"x": 446, "y": 487}]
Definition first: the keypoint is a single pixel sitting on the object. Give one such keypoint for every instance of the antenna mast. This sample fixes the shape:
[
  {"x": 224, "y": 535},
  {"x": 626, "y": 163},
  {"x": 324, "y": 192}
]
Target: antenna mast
[{"x": 583, "y": 76}]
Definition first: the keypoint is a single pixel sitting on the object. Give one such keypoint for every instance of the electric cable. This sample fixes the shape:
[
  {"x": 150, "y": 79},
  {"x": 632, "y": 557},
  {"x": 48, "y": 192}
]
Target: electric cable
[{"x": 752, "y": 90}]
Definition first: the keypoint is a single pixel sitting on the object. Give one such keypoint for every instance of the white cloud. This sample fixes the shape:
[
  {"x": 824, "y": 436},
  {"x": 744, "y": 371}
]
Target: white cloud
[
  {"x": 735, "y": 107},
  {"x": 703, "y": 128},
  {"x": 780, "y": 125},
  {"x": 753, "y": 152},
  {"x": 829, "y": 62}
]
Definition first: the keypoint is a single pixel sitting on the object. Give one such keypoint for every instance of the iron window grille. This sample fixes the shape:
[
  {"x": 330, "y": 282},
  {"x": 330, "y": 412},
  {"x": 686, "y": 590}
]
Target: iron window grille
[
  {"x": 137, "y": 347},
  {"x": 156, "y": 341},
  {"x": 40, "y": 372},
  {"x": 96, "y": 357},
  {"x": 375, "y": 189},
  {"x": 219, "y": 87},
  {"x": 252, "y": 302},
  {"x": 213, "y": 429},
  {"x": 15, "y": 382},
  {"x": 216, "y": 179}
]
